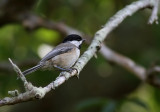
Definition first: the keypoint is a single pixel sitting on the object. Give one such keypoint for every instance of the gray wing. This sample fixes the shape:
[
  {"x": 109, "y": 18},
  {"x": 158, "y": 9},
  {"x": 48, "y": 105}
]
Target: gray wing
[{"x": 60, "y": 49}]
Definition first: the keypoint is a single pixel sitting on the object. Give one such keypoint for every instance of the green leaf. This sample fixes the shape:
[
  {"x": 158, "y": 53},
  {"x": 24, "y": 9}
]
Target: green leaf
[{"x": 139, "y": 103}]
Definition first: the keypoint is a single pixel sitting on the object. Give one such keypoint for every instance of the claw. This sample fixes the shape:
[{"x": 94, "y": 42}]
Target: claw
[{"x": 77, "y": 74}]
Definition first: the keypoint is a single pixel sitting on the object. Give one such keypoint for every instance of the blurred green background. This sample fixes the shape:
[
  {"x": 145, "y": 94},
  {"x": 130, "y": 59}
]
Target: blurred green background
[{"x": 102, "y": 86}]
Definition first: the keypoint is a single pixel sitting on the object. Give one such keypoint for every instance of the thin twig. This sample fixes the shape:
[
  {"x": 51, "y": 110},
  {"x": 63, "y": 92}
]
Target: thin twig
[
  {"x": 15, "y": 67},
  {"x": 154, "y": 16},
  {"x": 31, "y": 92}
]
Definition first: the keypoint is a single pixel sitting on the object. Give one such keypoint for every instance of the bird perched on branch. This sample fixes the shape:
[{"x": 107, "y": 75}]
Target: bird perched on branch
[{"x": 63, "y": 56}]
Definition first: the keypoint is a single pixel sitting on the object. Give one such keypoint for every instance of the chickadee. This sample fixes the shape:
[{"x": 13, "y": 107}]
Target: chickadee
[{"x": 62, "y": 56}]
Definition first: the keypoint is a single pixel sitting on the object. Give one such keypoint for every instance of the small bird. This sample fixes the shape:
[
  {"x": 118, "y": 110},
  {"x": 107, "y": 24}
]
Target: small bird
[{"x": 63, "y": 56}]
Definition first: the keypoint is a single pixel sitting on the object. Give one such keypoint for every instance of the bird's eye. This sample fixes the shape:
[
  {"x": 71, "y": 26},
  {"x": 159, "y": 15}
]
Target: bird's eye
[{"x": 78, "y": 39}]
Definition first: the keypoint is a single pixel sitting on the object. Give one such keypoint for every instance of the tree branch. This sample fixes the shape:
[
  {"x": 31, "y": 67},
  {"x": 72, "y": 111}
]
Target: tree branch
[
  {"x": 146, "y": 75},
  {"x": 124, "y": 62},
  {"x": 33, "y": 92}
]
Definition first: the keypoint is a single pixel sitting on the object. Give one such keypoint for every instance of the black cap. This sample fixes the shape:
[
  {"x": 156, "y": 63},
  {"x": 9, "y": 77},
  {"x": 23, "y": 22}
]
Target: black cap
[{"x": 72, "y": 37}]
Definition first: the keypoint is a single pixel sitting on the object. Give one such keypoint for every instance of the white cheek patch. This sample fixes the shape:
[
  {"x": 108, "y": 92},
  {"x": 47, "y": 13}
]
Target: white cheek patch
[
  {"x": 81, "y": 42},
  {"x": 76, "y": 43}
]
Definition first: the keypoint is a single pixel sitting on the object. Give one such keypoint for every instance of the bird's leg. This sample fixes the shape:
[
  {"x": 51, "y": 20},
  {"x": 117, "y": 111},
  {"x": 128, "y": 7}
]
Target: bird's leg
[
  {"x": 63, "y": 69},
  {"x": 68, "y": 70}
]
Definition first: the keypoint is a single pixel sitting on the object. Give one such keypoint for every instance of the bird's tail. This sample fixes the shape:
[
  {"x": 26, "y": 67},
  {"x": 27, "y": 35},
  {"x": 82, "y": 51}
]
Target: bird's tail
[{"x": 33, "y": 69}]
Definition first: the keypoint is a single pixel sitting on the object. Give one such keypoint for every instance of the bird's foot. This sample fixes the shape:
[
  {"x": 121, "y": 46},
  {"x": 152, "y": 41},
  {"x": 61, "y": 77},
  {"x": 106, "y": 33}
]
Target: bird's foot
[
  {"x": 68, "y": 70},
  {"x": 63, "y": 69}
]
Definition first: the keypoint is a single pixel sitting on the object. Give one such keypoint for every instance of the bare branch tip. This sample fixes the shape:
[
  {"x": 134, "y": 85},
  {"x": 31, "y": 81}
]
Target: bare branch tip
[
  {"x": 14, "y": 65},
  {"x": 153, "y": 20},
  {"x": 10, "y": 61}
]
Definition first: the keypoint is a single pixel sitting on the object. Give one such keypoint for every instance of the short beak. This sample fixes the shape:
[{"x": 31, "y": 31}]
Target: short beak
[{"x": 83, "y": 40}]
